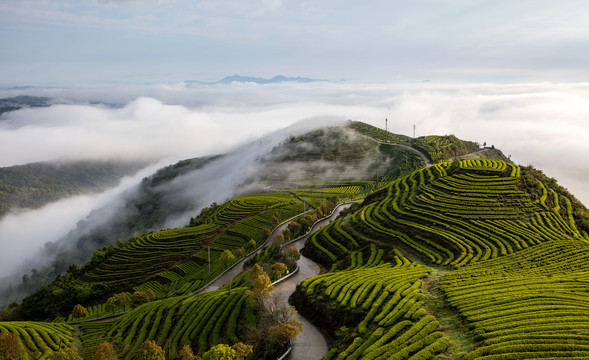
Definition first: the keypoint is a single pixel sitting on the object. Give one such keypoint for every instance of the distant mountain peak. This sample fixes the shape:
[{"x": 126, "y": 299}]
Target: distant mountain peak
[{"x": 257, "y": 80}]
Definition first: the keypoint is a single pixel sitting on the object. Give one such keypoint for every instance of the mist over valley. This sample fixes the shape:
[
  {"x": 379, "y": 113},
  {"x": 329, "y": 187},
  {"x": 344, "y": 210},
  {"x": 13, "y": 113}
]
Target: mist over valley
[{"x": 179, "y": 122}]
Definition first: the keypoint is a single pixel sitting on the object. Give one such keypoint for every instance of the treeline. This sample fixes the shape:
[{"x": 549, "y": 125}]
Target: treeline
[{"x": 37, "y": 184}]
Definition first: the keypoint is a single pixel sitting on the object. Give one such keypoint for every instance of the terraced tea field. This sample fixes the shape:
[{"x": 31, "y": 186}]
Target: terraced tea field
[
  {"x": 521, "y": 280},
  {"x": 386, "y": 296},
  {"x": 39, "y": 338},
  {"x": 202, "y": 320},
  {"x": 477, "y": 214},
  {"x": 470, "y": 259},
  {"x": 176, "y": 262},
  {"x": 530, "y": 304}
]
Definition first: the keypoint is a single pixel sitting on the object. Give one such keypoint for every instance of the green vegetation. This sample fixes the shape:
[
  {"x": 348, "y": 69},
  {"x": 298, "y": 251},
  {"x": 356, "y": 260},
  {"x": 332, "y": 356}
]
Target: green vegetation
[
  {"x": 476, "y": 258},
  {"x": 381, "y": 301},
  {"x": 168, "y": 263},
  {"x": 530, "y": 304},
  {"x": 454, "y": 214},
  {"x": 40, "y": 339},
  {"x": 517, "y": 239},
  {"x": 199, "y": 320},
  {"x": 440, "y": 148},
  {"x": 37, "y": 184},
  {"x": 334, "y": 157},
  {"x": 377, "y": 133},
  {"x": 435, "y": 147}
]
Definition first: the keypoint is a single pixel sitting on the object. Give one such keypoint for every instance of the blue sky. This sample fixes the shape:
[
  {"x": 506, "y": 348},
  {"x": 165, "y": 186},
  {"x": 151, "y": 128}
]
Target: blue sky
[{"x": 46, "y": 41}]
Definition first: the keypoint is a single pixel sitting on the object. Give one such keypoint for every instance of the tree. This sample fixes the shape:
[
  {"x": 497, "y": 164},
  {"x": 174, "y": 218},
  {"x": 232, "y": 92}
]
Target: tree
[
  {"x": 79, "y": 311},
  {"x": 261, "y": 288},
  {"x": 11, "y": 347},
  {"x": 294, "y": 228},
  {"x": 286, "y": 233},
  {"x": 242, "y": 350},
  {"x": 305, "y": 223},
  {"x": 10, "y": 312},
  {"x": 187, "y": 354},
  {"x": 251, "y": 244},
  {"x": 220, "y": 352},
  {"x": 266, "y": 232},
  {"x": 277, "y": 242},
  {"x": 454, "y": 167},
  {"x": 151, "y": 295},
  {"x": 253, "y": 274},
  {"x": 343, "y": 333},
  {"x": 292, "y": 253},
  {"x": 280, "y": 311},
  {"x": 66, "y": 354},
  {"x": 239, "y": 252},
  {"x": 138, "y": 298},
  {"x": 279, "y": 334},
  {"x": 105, "y": 351},
  {"x": 111, "y": 304},
  {"x": 122, "y": 300},
  {"x": 278, "y": 269},
  {"x": 149, "y": 350},
  {"x": 226, "y": 258}
]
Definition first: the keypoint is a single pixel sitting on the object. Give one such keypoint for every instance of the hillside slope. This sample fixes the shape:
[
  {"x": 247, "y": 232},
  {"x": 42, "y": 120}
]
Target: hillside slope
[
  {"x": 518, "y": 240},
  {"x": 476, "y": 258},
  {"x": 37, "y": 184},
  {"x": 319, "y": 159}
]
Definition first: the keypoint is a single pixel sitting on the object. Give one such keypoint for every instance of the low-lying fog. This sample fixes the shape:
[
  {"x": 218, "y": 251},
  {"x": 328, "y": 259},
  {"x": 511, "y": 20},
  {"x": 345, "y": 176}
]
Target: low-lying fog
[{"x": 540, "y": 124}]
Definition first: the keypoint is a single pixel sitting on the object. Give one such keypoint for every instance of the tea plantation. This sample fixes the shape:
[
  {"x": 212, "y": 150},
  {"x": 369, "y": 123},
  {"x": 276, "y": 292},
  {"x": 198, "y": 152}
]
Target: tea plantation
[
  {"x": 474, "y": 258},
  {"x": 510, "y": 244}
]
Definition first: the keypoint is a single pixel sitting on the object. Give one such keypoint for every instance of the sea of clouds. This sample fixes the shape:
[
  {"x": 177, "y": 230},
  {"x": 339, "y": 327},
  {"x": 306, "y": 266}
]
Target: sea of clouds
[{"x": 542, "y": 124}]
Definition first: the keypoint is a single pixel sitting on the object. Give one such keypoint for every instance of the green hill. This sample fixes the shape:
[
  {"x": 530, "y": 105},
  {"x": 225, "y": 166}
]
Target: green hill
[
  {"x": 475, "y": 258},
  {"x": 517, "y": 240},
  {"x": 37, "y": 184}
]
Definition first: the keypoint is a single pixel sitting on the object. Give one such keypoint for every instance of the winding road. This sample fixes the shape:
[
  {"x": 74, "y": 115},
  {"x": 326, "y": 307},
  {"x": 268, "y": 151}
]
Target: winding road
[
  {"x": 422, "y": 155},
  {"x": 310, "y": 343}
]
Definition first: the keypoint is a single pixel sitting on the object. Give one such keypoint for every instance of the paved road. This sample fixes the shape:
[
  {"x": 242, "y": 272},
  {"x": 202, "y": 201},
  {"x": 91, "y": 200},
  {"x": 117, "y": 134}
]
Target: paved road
[
  {"x": 237, "y": 269},
  {"x": 310, "y": 344},
  {"x": 422, "y": 155}
]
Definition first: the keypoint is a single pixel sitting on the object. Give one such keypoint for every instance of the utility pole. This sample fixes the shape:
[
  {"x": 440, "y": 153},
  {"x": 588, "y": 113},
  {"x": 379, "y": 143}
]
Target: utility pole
[
  {"x": 413, "y": 130},
  {"x": 209, "y": 251},
  {"x": 386, "y": 124}
]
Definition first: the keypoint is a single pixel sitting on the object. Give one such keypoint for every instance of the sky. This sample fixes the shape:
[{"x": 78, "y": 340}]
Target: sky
[{"x": 97, "y": 41}]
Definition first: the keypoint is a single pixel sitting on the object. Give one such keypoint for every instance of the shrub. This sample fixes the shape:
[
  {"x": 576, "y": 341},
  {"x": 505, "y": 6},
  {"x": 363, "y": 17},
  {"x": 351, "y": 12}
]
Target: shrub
[
  {"x": 149, "y": 350},
  {"x": 105, "y": 351}
]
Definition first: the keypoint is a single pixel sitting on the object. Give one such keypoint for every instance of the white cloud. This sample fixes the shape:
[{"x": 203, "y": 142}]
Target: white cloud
[
  {"x": 543, "y": 124},
  {"x": 23, "y": 233},
  {"x": 538, "y": 123}
]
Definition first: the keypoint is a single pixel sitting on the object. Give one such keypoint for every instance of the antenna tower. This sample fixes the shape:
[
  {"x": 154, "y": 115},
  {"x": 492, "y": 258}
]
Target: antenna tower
[{"x": 413, "y": 130}]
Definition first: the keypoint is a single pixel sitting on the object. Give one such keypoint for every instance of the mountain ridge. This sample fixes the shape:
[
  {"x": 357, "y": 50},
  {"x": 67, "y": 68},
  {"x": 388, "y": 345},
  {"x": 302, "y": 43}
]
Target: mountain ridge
[{"x": 256, "y": 80}]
